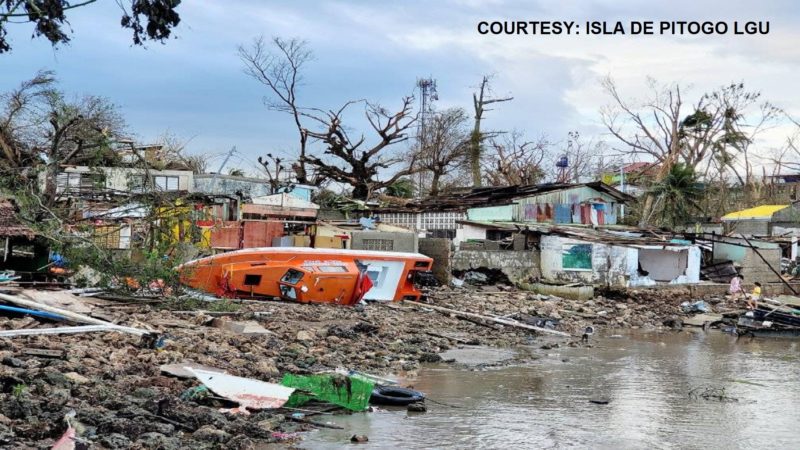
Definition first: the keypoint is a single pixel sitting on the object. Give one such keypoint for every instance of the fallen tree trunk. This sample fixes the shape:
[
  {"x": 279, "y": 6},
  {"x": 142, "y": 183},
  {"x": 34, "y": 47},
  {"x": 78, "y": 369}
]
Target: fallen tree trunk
[
  {"x": 76, "y": 317},
  {"x": 510, "y": 323}
]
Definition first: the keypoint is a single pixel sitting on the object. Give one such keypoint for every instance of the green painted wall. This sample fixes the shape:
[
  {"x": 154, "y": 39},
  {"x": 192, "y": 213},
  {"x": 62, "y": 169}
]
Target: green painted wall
[{"x": 492, "y": 213}]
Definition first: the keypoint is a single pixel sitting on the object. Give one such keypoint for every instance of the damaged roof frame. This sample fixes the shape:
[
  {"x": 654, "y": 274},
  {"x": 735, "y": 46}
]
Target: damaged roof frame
[
  {"x": 621, "y": 238},
  {"x": 483, "y": 196}
]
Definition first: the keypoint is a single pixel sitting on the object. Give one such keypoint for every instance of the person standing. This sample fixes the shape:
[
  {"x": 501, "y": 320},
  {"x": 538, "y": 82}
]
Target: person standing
[{"x": 735, "y": 288}]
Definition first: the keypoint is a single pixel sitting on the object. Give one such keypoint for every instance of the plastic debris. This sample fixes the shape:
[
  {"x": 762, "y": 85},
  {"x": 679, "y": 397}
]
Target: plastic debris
[
  {"x": 352, "y": 392},
  {"x": 247, "y": 392},
  {"x": 699, "y": 306}
]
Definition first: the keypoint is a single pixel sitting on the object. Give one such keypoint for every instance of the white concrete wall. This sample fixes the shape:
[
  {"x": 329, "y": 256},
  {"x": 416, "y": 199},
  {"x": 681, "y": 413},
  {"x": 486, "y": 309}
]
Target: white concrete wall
[
  {"x": 468, "y": 232},
  {"x": 617, "y": 265},
  {"x": 551, "y": 261}
]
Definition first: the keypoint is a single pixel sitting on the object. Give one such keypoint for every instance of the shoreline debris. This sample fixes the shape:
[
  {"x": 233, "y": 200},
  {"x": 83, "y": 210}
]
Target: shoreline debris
[
  {"x": 491, "y": 319},
  {"x": 247, "y": 392}
]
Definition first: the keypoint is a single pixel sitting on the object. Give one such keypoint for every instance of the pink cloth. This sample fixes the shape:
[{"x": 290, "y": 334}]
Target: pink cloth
[{"x": 736, "y": 286}]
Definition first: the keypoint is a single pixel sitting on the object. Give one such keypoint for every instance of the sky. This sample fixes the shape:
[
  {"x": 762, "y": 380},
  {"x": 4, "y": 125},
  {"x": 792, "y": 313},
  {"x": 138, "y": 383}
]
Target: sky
[{"x": 194, "y": 87}]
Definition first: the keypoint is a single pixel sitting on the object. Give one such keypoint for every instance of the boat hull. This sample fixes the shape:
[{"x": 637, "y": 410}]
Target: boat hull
[{"x": 308, "y": 275}]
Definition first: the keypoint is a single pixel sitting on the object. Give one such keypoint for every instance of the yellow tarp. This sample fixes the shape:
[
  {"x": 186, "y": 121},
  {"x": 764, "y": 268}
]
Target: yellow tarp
[{"x": 763, "y": 212}]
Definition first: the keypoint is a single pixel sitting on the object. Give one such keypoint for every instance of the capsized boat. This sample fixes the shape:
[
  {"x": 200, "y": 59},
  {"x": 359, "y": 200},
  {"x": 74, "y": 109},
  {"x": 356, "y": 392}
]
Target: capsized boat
[{"x": 308, "y": 275}]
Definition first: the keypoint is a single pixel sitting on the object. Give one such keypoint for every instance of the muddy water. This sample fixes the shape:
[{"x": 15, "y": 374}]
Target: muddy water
[{"x": 646, "y": 378}]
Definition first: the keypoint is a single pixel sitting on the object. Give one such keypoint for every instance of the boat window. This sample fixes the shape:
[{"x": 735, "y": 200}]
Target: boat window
[
  {"x": 292, "y": 276},
  {"x": 331, "y": 269},
  {"x": 375, "y": 274},
  {"x": 252, "y": 280},
  {"x": 288, "y": 292}
]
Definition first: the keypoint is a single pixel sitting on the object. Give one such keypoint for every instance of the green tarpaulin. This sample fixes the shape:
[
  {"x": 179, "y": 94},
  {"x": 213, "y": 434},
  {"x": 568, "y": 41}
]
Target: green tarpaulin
[{"x": 351, "y": 392}]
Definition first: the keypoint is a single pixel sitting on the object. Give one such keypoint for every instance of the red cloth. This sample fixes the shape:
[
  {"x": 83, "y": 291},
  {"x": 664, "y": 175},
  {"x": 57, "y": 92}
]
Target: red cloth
[{"x": 362, "y": 287}]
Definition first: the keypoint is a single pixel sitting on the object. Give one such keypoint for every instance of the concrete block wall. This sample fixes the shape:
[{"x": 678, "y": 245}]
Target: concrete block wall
[
  {"x": 401, "y": 242},
  {"x": 750, "y": 227},
  {"x": 439, "y": 250},
  {"x": 518, "y": 266},
  {"x": 754, "y": 269}
]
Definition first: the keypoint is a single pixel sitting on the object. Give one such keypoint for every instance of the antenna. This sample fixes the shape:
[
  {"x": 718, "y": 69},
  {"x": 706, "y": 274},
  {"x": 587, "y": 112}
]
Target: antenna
[{"x": 428, "y": 93}]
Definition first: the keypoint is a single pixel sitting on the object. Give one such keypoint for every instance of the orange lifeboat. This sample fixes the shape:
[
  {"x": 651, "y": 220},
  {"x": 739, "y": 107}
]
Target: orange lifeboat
[{"x": 308, "y": 275}]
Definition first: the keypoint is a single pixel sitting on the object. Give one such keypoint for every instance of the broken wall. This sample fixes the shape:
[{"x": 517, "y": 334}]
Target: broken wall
[
  {"x": 439, "y": 250},
  {"x": 671, "y": 265},
  {"x": 518, "y": 266},
  {"x": 568, "y": 260},
  {"x": 752, "y": 267},
  {"x": 663, "y": 265}
]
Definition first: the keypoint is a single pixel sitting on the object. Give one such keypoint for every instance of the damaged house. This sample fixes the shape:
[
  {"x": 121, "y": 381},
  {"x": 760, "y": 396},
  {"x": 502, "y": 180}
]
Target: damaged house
[
  {"x": 616, "y": 258},
  {"x": 566, "y": 255},
  {"x": 586, "y": 204},
  {"x": 593, "y": 203}
]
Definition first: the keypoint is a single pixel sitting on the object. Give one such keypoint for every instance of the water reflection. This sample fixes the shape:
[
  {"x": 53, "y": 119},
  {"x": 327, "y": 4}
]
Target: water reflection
[{"x": 646, "y": 377}]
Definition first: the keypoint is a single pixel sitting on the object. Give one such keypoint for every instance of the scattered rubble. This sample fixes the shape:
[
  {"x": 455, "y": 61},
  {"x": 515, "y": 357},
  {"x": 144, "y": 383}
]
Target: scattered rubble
[{"x": 128, "y": 392}]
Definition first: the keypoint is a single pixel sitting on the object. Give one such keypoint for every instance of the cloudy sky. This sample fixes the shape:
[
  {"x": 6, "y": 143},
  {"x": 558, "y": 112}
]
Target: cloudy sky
[{"x": 194, "y": 86}]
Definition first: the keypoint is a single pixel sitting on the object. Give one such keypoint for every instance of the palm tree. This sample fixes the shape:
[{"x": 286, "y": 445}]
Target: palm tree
[{"x": 676, "y": 196}]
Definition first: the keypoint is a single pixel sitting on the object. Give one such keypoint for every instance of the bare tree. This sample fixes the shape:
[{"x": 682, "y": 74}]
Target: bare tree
[
  {"x": 738, "y": 118},
  {"x": 444, "y": 145},
  {"x": 21, "y": 118},
  {"x": 650, "y": 128},
  {"x": 355, "y": 163},
  {"x": 280, "y": 70},
  {"x": 584, "y": 157},
  {"x": 480, "y": 100},
  {"x": 274, "y": 168},
  {"x": 516, "y": 161},
  {"x": 717, "y": 132},
  {"x": 81, "y": 132},
  {"x": 173, "y": 155}
]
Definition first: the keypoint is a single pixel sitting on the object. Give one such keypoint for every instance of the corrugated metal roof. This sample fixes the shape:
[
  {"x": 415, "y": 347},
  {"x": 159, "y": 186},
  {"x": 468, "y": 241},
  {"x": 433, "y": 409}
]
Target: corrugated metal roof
[
  {"x": 495, "y": 196},
  {"x": 763, "y": 212}
]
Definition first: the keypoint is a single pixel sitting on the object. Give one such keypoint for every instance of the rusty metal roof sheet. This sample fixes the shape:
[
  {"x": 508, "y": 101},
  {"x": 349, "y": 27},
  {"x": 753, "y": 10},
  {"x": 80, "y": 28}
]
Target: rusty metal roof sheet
[
  {"x": 483, "y": 196},
  {"x": 10, "y": 225}
]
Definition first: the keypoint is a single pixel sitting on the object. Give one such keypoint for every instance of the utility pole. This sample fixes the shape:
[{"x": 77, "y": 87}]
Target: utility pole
[{"x": 622, "y": 188}]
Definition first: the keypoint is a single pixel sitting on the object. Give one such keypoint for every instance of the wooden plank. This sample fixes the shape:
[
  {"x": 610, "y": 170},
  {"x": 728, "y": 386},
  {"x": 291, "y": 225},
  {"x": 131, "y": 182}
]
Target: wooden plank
[
  {"x": 469, "y": 315},
  {"x": 44, "y": 353}
]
